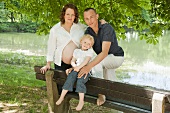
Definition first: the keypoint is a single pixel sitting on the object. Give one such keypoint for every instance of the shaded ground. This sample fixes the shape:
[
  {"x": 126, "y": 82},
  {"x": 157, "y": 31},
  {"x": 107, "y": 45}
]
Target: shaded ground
[
  {"x": 22, "y": 100},
  {"x": 33, "y": 100},
  {"x": 20, "y": 91}
]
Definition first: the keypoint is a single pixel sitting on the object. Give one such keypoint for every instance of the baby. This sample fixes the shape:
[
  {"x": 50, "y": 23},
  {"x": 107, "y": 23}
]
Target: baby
[{"x": 81, "y": 57}]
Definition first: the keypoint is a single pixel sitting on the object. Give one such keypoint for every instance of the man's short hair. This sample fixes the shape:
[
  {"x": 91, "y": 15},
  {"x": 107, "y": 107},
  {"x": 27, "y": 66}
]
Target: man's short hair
[{"x": 87, "y": 9}]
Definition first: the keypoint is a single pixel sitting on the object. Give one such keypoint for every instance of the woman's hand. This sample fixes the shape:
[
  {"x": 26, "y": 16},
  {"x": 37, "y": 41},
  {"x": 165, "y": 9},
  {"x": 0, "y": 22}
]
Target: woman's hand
[
  {"x": 103, "y": 21},
  {"x": 45, "y": 68}
]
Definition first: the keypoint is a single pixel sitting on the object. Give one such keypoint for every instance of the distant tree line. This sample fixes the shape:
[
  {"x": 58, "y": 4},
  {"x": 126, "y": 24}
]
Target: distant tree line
[
  {"x": 13, "y": 21},
  {"x": 29, "y": 26}
]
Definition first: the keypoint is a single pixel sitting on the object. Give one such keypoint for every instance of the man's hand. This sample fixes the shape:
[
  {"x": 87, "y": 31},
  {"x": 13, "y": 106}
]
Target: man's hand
[{"x": 84, "y": 71}]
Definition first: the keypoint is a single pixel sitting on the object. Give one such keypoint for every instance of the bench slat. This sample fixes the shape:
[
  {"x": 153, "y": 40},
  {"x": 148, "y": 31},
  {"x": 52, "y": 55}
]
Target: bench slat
[
  {"x": 111, "y": 104},
  {"x": 129, "y": 95},
  {"x": 116, "y": 96},
  {"x": 127, "y": 88}
]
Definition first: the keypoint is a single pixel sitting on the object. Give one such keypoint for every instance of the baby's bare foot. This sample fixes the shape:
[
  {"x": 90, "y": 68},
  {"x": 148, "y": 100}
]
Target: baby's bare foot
[
  {"x": 59, "y": 101},
  {"x": 80, "y": 106}
]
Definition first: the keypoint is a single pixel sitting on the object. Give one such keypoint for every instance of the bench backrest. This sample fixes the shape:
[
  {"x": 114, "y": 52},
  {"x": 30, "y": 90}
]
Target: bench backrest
[{"x": 126, "y": 94}]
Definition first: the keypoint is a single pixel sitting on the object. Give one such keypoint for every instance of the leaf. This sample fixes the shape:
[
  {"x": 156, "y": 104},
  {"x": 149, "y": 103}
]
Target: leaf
[
  {"x": 147, "y": 41},
  {"x": 150, "y": 40},
  {"x": 141, "y": 37},
  {"x": 140, "y": 15},
  {"x": 154, "y": 42}
]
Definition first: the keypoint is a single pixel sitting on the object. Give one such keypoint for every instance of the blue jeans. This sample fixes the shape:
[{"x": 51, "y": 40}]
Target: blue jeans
[
  {"x": 80, "y": 85},
  {"x": 63, "y": 67}
]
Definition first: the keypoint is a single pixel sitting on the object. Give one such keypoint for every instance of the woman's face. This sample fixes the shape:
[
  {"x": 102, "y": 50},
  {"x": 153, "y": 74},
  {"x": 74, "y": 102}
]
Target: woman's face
[{"x": 69, "y": 16}]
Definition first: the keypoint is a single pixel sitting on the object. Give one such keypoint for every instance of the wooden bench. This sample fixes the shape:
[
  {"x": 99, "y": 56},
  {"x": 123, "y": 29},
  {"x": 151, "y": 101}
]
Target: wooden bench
[{"x": 120, "y": 96}]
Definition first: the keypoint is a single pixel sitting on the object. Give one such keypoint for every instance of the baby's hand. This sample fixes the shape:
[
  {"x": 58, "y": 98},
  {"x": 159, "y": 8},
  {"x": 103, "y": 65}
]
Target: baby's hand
[
  {"x": 69, "y": 70},
  {"x": 77, "y": 69}
]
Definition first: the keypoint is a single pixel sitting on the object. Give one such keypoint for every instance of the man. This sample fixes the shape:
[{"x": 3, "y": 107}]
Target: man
[{"x": 109, "y": 54}]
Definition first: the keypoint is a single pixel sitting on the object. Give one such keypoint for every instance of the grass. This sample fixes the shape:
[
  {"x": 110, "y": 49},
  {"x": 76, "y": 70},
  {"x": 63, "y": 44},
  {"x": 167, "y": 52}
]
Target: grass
[
  {"x": 20, "y": 91},
  {"x": 22, "y": 99}
]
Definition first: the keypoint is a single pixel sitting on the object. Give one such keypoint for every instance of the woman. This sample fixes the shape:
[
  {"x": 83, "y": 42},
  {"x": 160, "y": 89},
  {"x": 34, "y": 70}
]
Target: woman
[{"x": 63, "y": 39}]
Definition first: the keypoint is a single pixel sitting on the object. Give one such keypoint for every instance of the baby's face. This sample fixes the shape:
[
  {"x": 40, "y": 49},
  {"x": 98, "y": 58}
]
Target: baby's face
[{"x": 86, "y": 44}]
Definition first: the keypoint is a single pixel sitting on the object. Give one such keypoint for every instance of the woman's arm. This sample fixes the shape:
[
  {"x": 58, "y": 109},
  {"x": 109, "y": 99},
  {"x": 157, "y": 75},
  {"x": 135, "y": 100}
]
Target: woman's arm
[{"x": 50, "y": 51}]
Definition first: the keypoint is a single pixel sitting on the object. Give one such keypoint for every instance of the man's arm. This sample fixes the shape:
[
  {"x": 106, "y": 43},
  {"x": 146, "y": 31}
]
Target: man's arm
[{"x": 105, "y": 49}]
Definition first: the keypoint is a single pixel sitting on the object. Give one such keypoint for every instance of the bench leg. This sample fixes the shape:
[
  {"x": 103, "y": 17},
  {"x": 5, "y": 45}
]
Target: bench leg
[
  {"x": 158, "y": 103},
  {"x": 53, "y": 95},
  {"x": 64, "y": 107}
]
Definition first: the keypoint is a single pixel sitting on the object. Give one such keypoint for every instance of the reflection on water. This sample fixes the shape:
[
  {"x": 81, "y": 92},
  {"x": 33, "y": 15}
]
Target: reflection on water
[
  {"x": 149, "y": 79},
  {"x": 145, "y": 64},
  {"x": 150, "y": 74},
  {"x": 27, "y": 43}
]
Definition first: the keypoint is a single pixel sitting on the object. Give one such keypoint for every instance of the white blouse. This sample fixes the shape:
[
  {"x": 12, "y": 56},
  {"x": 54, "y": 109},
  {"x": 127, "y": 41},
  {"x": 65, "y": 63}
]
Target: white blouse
[{"x": 59, "y": 38}]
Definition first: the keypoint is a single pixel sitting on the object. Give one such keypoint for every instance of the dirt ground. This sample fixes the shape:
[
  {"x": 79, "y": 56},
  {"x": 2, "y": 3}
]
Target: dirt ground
[{"x": 34, "y": 100}]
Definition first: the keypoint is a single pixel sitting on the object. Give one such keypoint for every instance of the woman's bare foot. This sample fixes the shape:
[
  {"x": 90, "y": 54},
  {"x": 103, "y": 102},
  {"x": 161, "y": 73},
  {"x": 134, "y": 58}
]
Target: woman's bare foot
[
  {"x": 59, "y": 101},
  {"x": 80, "y": 105},
  {"x": 101, "y": 99}
]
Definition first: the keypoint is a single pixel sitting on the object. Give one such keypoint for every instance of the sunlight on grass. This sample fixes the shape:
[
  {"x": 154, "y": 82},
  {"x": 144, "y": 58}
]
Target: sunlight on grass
[
  {"x": 19, "y": 89},
  {"x": 18, "y": 76},
  {"x": 18, "y": 71},
  {"x": 22, "y": 98},
  {"x": 21, "y": 92}
]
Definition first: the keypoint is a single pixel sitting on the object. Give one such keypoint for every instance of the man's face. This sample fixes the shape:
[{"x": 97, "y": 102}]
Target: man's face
[{"x": 91, "y": 18}]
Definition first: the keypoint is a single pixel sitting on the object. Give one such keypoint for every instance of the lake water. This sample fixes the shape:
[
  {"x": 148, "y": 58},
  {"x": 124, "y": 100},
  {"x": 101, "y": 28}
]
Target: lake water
[{"x": 145, "y": 64}]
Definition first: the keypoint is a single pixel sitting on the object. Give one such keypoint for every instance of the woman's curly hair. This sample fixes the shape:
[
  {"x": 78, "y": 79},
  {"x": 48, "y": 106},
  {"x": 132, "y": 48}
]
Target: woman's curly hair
[{"x": 71, "y": 6}]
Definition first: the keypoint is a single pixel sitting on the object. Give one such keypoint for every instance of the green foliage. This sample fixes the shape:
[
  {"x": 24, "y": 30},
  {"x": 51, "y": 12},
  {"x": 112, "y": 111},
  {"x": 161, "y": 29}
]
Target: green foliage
[
  {"x": 3, "y": 13},
  {"x": 26, "y": 26},
  {"x": 139, "y": 15},
  {"x": 8, "y": 27}
]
